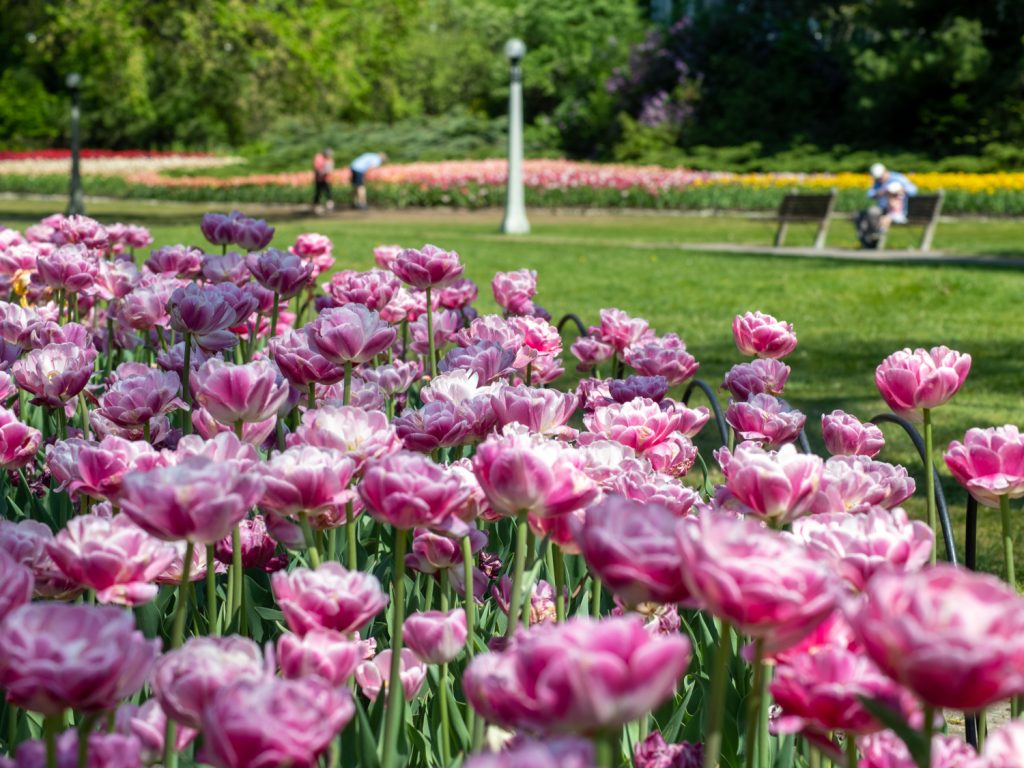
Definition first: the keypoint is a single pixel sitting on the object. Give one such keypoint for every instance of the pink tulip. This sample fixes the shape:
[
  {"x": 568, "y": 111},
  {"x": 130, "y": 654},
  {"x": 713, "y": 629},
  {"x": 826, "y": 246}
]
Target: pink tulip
[
  {"x": 435, "y": 637},
  {"x": 178, "y": 260},
  {"x": 112, "y": 556},
  {"x": 845, "y": 435},
  {"x": 362, "y": 394},
  {"x": 622, "y": 331},
  {"x": 80, "y": 230},
  {"x": 1004, "y": 746},
  {"x": 225, "y": 447},
  {"x": 407, "y": 490},
  {"x": 18, "y": 442},
  {"x": 766, "y": 419},
  {"x": 433, "y": 552},
  {"x": 70, "y": 268},
  {"x": 282, "y": 272},
  {"x": 550, "y": 753},
  {"x": 385, "y": 255},
  {"x": 350, "y": 334},
  {"x": 521, "y": 472},
  {"x": 653, "y": 752},
  {"x": 542, "y": 600},
  {"x": 430, "y": 267},
  {"x": 106, "y": 750},
  {"x": 228, "y": 268},
  {"x": 374, "y": 675},
  {"x": 58, "y": 656},
  {"x": 394, "y": 378},
  {"x": 363, "y": 435},
  {"x": 631, "y": 547},
  {"x": 459, "y": 295},
  {"x": 760, "y": 335},
  {"x": 544, "y": 411},
  {"x": 311, "y": 245},
  {"x": 148, "y": 724},
  {"x": 300, "y": 363},
  {"x": 989, "y": 463},
  {"x": 305, "y": 479},
  {"x": 774, "y": 485},
  {"x": 322, "y": 653},
  {"x": 16, "y": 582},
  {"x": 116, "y": 279},
  {"x": 768, "y": 586},
  {"x": 258, "y": 548},
  {"x": 97, "y": 470},
  {"x": 922, "y": 378},
  {"x": 26, "y": 542},
  {"x": 135, "y": 400},
  {"x": 304, "y": 715},
  {"x": 247, "y": 393},
  {"x": 635, "y": 481},
  {"x": 514, "y": 291},
  {"x": 640, "y": 424},
  {"x": 197, "y": 571},
  {"x": 438, "y": 424},
  {"x": 820, "y": 692},
  {"x": 887, "y": 750},
  {"x": 663, "y": 356},
  {"x": 953, "y": 637},
  {"x": 329, "y": 597},
  {"x": 200, "y": 310},
  {"x": 862, "y": 544},
  {"x": 582, "y": 676},
  {"x": 489, "y": 360},
  {"x": 591, "y": 352},
  {"x": 145, "y": 307},
  {"x": 855, "y": 483},
  {"x": 253, "y": 433},
  {"x": 603, "y": 460},
  {"x": 47, "y": 332},
  {"x": 538, "y": 334},
  {"x": 197, "y": 499},
  {"x": 760, "y": 376},
  {"x": 186, "y": 679},
  {"x": 54, "y": 374},
  {"x": 251, "y": 234},
  {"x": 219, "y": 228}
]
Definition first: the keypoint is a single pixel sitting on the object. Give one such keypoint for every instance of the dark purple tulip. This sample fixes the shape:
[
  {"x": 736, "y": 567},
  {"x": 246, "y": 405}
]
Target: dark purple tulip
[
  {"x": 200, "y": 310},
  {"x": 624, "y": 390},
  {"x": 134, "y": 400},
  {"x": 300, "y": 363},
  {"x": 252, "y": 234},
  {"x": 350, "y": 334},
  {"x": 219, "y": 228},
  {"x": 282, "y": 272},
  {"x": 229, "y": 268}
]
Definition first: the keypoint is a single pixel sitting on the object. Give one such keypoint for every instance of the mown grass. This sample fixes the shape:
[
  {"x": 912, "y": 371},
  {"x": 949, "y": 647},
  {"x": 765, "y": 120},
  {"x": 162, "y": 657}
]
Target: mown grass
[{"x": 848, "y": 316}]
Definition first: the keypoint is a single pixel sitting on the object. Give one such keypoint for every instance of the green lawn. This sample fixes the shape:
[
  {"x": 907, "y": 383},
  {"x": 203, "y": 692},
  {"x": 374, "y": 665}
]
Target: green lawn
[{"x": 848, "y": 316}]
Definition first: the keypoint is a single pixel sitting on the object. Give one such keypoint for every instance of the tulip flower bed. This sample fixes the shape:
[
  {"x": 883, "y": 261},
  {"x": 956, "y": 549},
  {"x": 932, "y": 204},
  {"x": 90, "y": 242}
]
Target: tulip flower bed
[
  {"x": 481, "y": 184},
  {"x": 256, "y": 513}
]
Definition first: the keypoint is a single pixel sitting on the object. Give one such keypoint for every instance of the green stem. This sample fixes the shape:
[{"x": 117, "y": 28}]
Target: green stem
[
  {"x": 559, "y": 583},
  {"x": 929, "y": 479},
  {"x": 311, "y": 396},
  {"x": 346, "y": 392},
  {"x": 396, "y": 696},
  {"x": 527, "y": 588},
  {"x": 446, "y": 747},
  {"x": 236, "y": 569},
  {"x": 444, "y": 590},
  {"x": 1004, "y": 516},
  {"x": 332, "y": 544},
  {"x": 83, "y": 412},
  {"x": 307, "y": 534},
  {"x": 212, "y": 618},
  {"x": 177, "y": 634},
  {"x": 716, "y": 698},
  {"x": 350, "y": 536},
  {"x": 273, "y": 317},
  {"x": 929, "y": 731},
  {"x": 62, "y": 422},
  {"x": 750, "y": 741},
  {"x": 519, "y": 565},
  {"x": 186, "y": 395},
  {"x": 595, "y": 596},
  {"x": 428, "y": 598},
  {"x": 851, "y": 750},
  {"x": 51, "y": 727},
  {"x": 84, "y": 729},
  {"x": 146, "y": 431},
  {"x": 430, "y": 338},
  {"x": 606, "y": 750},
  {"x": 12, "y": 728},
  {"x": 762, "y": 718}
]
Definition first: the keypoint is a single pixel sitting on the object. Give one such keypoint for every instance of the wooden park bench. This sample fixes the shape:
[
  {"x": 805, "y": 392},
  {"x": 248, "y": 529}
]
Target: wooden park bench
[
  {"x": 812, "y": 208},
  {"x": 922, "y": 210}
]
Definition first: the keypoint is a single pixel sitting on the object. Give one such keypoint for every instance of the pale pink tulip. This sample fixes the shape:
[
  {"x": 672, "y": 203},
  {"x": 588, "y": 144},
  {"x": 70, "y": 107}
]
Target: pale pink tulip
[
  {"x": 774, "y": 485},
  {"x": 374, "y": 675},
  {"x": 248, "y": 393},
  {"x": 435, "y": 637},
  {"x": 760, "y": 335},
  {"x": 350, "y": 334},
  {"x": 989, "y": 463},
  {"x": 909, "y": 380},
  {"x": 663, "y": 356},
  {"x": 329, "y": 597},
  {"x": 324, "y": 653},
  {"x": 846, "y": 435}
]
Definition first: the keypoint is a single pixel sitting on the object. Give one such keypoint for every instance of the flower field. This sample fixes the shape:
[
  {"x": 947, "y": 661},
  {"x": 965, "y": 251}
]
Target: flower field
[
  {"x": 480, "y": 184},
  {"x": 258, "y": 512}
]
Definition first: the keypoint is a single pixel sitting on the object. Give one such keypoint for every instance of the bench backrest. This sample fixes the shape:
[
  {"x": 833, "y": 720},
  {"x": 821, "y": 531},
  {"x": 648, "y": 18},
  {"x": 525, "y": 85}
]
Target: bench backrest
[
  {"x": 806, "y": 207},
  {"x": 922, "y": 208}
]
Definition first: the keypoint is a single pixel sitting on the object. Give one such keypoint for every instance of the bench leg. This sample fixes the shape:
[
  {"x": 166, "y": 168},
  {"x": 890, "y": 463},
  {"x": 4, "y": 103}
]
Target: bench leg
[
  {"x": 881, "y": 240},
  {"x": 819, "y": 240},
  {"x": 928, "y": 235},
  {"x": 780, "y": 236}
]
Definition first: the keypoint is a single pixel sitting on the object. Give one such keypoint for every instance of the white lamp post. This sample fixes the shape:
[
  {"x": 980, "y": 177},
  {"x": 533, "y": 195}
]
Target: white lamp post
[{"x": 515, "y": 222}]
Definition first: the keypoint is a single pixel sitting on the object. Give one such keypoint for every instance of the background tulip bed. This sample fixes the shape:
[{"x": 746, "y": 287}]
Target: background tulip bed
[
  {"x": 478, "y": 184},
  {"x": 253, "y": 515}
]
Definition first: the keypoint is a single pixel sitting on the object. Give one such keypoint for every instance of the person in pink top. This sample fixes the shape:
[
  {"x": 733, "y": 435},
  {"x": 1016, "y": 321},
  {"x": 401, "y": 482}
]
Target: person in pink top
[{"x": 323, "y": 166}]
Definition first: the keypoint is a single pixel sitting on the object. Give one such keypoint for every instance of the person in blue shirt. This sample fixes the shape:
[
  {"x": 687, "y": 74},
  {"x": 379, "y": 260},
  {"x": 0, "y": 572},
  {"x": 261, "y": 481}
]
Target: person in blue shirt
[
  {"x": 888, "y": 189},
  {"x": 362, "y": 165}
]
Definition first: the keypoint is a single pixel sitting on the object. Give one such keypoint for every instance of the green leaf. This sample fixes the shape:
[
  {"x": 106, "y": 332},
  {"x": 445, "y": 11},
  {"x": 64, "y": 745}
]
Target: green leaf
[{"x": 367, "y": 740}]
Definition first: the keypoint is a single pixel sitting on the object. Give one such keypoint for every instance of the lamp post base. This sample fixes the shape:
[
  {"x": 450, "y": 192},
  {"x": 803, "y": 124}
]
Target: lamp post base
[{"x": 515, "y": 224}]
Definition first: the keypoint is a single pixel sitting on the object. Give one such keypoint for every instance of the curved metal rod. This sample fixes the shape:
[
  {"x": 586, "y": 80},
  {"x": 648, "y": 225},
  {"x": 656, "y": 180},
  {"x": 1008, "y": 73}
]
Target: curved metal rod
[
  {"x": 940, "y": 497},
  {"x": 805, "y": 444},
  {"x": 575, "y": 319},
  {"x": 723, "y": 427},
  {"x": 971, "y": 534}
]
